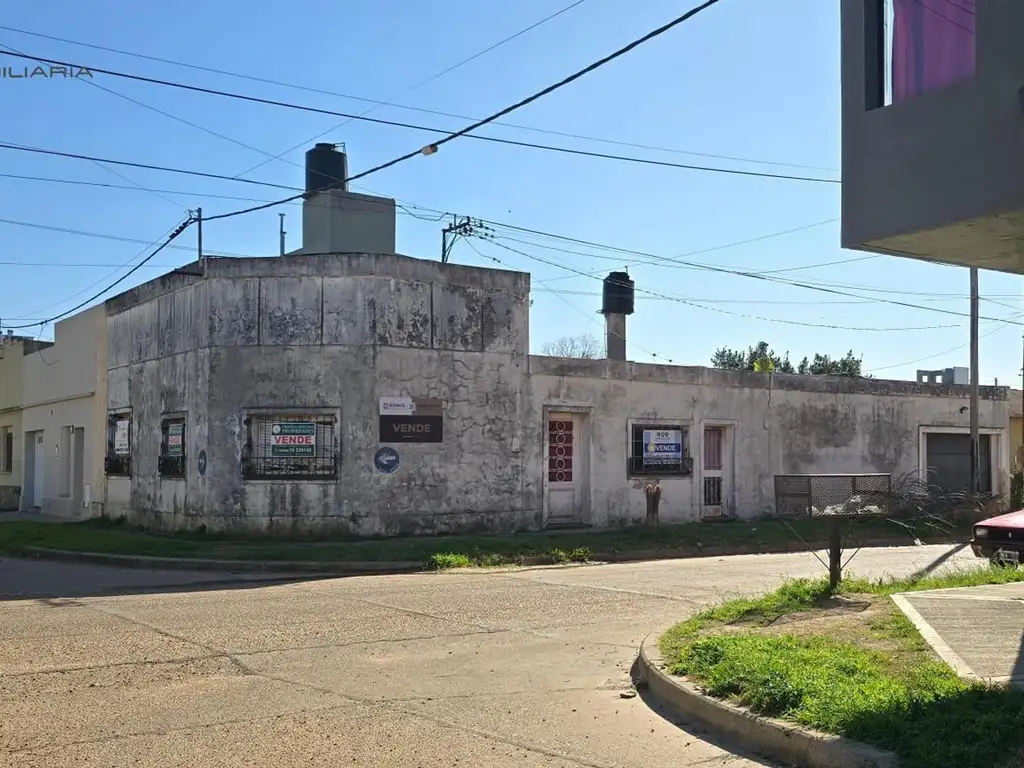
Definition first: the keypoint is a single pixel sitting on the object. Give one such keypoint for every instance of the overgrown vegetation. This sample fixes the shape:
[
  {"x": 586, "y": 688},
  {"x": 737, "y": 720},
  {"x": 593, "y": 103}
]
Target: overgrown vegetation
[
  {"x": 763, "y": 359},
  {"x": 853, "y": 665},
  {"x": 117, "y": 537}
]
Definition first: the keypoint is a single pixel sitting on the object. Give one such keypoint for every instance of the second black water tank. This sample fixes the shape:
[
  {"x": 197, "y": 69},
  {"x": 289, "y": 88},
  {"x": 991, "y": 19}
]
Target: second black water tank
[
  {"x": 326, "y": 167},
  {"x": 618, "y": 295}
]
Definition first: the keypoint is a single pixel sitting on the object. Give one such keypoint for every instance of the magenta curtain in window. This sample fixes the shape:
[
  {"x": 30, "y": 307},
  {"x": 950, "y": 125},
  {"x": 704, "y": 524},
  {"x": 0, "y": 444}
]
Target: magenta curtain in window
[{"x": 932, "y": 45}]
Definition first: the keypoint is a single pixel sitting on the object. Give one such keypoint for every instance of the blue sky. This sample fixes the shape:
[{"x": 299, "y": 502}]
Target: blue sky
[{"x": 744, "y": 79}]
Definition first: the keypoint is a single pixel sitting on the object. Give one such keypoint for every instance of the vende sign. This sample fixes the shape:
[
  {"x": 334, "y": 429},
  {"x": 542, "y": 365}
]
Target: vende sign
[{"x": 293, "y": 438}]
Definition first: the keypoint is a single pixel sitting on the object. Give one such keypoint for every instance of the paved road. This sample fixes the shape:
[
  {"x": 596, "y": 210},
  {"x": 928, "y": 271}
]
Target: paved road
[{"x": 466, "y": 669}]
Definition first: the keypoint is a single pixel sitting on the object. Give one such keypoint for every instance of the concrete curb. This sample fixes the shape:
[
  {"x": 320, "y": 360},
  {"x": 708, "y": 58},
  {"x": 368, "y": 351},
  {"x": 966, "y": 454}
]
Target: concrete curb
[
  {"x": 373, "y": 567},
  {"x": 777, "y": 740},
  {"x": 729, "y": 550},
  {"x": 225, "y": 566}
]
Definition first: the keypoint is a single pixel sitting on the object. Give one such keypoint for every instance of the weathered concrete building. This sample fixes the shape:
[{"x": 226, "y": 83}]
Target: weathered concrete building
[
  {"x": 317, "y": 344},
  {"x": 740, "y": 430},
  {"x": 343, "y": 387}
]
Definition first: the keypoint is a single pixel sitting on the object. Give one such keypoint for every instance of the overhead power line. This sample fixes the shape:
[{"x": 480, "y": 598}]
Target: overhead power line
[
  {"x": 646, "y": 258},
  {"x": 421, "y": 83},
  {"x": 428, "y": 129},
  {"x": 730, "y": 312},
  {"x": 174, "y": 233},
  {"x": 422, "y": 110}
]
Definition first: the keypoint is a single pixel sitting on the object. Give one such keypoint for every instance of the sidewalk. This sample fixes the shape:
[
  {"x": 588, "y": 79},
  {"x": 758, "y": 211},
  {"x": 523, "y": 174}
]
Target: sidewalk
[{"x": 979, "y": 631}]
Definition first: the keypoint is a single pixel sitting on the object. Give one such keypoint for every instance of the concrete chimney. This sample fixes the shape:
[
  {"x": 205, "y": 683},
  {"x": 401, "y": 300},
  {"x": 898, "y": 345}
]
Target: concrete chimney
[
  {"x": 335, "y": 220},
  {"x": 617, "y": 300}
]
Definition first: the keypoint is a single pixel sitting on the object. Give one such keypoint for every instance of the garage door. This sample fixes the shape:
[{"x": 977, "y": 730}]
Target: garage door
[{"x": 949, "y": 462}]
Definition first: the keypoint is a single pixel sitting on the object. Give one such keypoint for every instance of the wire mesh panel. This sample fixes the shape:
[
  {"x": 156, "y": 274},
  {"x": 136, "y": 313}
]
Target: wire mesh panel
[
  {"x": 832, "y": 495},
  {"x": 290, "y": 446}
]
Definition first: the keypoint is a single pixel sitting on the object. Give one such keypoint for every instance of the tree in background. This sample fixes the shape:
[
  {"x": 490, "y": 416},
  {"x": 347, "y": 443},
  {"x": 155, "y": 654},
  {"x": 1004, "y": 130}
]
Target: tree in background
[
  {"x": 583, "y": 346},
  {"x": 764, "y": 359}
]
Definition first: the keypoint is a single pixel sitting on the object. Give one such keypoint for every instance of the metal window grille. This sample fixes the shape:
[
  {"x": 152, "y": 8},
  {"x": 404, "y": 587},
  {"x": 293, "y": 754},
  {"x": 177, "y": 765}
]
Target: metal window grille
[
  {"x": 267, "y": 456},
  {"x": 119, "y": 459},
  {"x": 712, "y": 491},
  {"x": 828, "y": 495},
  {"x": 172, "y": 460},
  {"x": 637, "y": 465}
]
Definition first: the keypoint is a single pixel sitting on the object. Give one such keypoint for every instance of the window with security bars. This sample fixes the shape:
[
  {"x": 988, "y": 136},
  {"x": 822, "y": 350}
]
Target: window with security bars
[
  {"x": 119, "y": 444},
  {"x": 172, "y": 447},
  {"x": 294, "y": 446},
  {"x": 660, "y": 450}
]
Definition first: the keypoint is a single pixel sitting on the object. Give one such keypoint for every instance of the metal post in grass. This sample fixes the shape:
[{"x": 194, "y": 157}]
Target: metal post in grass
[
  {"x": 836, "y": 498},
  {"x": 835, "y": 553}
]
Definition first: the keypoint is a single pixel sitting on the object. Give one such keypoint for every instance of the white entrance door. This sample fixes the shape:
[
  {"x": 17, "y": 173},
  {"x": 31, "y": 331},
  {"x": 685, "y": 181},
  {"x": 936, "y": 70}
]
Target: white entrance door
[
  {"x": 39, "y": 473},
  {"x": 714, "y": 501},
  {"x": 565, "y": 470}
]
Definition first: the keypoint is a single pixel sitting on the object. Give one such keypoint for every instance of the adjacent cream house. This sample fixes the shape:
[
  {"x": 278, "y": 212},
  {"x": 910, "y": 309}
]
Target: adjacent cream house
[{"x": 62, "y": 436}]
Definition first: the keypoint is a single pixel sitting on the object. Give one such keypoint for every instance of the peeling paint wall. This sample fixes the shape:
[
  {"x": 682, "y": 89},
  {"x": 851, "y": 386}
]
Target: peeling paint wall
[
  {"x": 779, "y": 425},
  {"x": 334, "y": 333}
]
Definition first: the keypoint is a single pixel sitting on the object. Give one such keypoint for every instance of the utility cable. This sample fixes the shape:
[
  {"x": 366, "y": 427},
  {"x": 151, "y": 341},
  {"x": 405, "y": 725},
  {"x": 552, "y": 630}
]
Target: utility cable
[
  {"x": 590, "y": 319},
  {"x": 421, "y": 83},
  {"x": 458, "y": 134},
  {"x": 422, "y": 110},
  {"x": 737, "y": 314},
  {"x": 648, "y": 258},
  {"x": 167, "y": 241}
]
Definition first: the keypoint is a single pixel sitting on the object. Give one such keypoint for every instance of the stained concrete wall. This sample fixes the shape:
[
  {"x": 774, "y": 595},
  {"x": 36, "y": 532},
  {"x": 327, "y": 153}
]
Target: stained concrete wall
[
  {"x": 331, "y": 333},
  {"x": 65, "y": 386},
  {"x": 780, "y": 425}
]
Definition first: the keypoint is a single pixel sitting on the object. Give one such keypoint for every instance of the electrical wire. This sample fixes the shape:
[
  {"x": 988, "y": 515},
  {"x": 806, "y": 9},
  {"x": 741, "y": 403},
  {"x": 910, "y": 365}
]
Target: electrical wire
[
  {"x": 421, "y": 83},
  {"x": 648, "y": 258},
  {"x": 457, "y": 134},
  {"x": 167, "y": 241},
  {"x": 422, "y": 110},
  {"x": 572, "y": 306},
  {"x": 957, "y": 348},
  {"x": 738, "y": 314}
]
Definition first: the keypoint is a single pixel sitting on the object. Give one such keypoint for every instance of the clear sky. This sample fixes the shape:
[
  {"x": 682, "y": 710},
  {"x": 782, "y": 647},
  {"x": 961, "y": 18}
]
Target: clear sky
[{"x": 746, "y": 79}]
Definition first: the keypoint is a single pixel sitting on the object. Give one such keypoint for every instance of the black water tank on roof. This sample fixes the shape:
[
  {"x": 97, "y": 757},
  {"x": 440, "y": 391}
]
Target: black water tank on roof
[
  {"x": 618, "y": 294},
  {"x": 326, "y": 167}
]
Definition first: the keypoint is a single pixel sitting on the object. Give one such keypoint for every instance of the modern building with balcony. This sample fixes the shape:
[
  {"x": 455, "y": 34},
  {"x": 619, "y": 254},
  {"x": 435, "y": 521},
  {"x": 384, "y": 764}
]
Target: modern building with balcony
[{"x": 933, "y": 130}]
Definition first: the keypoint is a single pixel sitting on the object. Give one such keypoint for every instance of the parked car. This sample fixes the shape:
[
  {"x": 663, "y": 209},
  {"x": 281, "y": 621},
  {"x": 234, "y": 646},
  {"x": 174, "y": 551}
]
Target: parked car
[{"x": 1000, "y": 539}]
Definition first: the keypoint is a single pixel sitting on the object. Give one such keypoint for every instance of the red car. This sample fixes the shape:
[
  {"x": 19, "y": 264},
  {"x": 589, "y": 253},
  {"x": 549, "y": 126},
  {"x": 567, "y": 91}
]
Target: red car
[{"x": 1000, "y": 539}]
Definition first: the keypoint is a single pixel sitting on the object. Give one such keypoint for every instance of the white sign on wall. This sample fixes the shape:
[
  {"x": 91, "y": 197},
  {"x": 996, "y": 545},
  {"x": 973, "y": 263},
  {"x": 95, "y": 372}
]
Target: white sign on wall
[
  {"x": 397, "y": 406},
  {"x": 122, "y": 439}
]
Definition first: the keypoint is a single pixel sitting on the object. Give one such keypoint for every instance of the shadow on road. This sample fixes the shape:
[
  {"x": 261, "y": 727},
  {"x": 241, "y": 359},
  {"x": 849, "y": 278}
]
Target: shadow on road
[
  {"x": 26, "y": 579},
  {"x": 693, "y": 728}
]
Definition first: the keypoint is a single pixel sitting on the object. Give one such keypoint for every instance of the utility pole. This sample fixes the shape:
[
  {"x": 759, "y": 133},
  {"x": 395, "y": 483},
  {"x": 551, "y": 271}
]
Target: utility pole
[
  {"x": 975, "y": 407},
  {"x": 283, "y": 233},
  {"x": 199, "y": 239},
  {"x": 451, "y": 233}
]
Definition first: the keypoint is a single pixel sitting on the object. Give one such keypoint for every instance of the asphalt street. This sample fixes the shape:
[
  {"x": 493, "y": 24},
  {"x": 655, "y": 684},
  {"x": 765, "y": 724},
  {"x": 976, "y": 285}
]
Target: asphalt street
[{"x": 104, "y": 667}]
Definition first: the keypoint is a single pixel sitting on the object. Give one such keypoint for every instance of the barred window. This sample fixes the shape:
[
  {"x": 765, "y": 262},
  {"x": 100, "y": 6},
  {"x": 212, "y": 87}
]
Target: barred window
[
  {"x": 172, "y": 460},
  {"x": 119, "y": 443},
  {"x": 296, "y": 446},
  {"x": 661, "y": 450}
]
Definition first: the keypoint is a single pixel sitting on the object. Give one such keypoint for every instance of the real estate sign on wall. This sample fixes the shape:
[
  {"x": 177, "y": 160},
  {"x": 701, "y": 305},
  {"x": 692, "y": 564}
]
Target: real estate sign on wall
[
  {"x": 293, "y": 438},
  {"x": 122, "y": 437},
  {"x": 175, "y": 439},
  {"x": 662, "y": 447},
  {"x": 411, "y": 420}
]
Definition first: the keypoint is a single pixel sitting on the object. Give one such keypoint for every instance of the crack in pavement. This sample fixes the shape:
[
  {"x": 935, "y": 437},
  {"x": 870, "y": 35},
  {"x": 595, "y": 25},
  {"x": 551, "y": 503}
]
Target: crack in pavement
[{"x": 350, "y": 699}]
